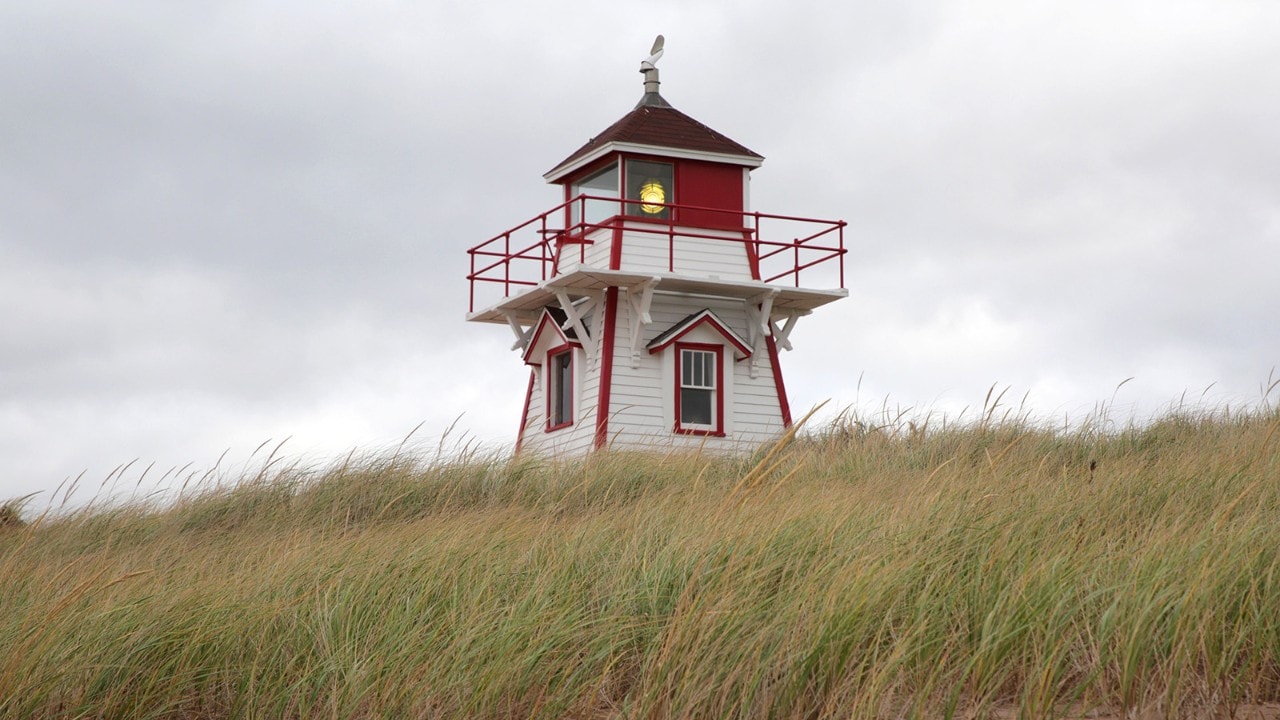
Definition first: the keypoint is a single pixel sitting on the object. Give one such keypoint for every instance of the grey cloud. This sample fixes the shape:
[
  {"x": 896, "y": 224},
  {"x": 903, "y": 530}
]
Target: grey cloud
[{"x": 235, "y": 222}]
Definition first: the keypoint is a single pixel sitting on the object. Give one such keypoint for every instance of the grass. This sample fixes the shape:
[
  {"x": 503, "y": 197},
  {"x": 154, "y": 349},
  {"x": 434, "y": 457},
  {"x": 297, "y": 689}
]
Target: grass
[{"x": 863, "y": 570}]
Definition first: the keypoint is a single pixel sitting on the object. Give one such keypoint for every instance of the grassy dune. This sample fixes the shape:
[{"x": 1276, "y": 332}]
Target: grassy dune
[{"x": 862, "y": 571}]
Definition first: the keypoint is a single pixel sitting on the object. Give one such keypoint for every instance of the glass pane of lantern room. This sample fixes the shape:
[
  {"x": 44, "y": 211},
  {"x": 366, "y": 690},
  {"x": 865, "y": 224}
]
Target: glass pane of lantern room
[
  {"x": 650, "y": 184},
  {"x": 601, "y": 184}
]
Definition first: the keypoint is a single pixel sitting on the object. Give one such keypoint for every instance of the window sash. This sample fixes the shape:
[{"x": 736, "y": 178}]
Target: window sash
[
  {"x": 697, "y": 408},
  {"x": 698, "y": 369}
]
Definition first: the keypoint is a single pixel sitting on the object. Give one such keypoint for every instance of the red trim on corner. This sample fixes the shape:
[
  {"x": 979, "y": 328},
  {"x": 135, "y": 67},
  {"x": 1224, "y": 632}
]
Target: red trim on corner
[
  {"x": 615, "y": 248},
  {"x": 783, "y": 405},
  {"x": 753, "y": 257},
  {"x": 524, "y": 414},
  {"x": 606, "y": 365}
]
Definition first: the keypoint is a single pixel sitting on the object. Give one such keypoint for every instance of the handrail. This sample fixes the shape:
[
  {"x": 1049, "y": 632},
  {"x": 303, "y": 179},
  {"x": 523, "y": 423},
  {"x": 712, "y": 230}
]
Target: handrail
[{"x": 537, "y": 259}]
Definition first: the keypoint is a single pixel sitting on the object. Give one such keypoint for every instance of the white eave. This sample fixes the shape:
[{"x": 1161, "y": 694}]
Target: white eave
[
  {"x": 581, "y": 283},
  {"x": 561, "y": 171}
]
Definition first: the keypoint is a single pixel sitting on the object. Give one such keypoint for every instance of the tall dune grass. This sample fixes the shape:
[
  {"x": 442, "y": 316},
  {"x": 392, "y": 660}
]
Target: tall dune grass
[{"x": 864, "y": 570}]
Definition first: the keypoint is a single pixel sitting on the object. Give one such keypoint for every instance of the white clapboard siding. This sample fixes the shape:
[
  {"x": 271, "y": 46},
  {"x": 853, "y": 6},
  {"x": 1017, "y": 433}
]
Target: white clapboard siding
[
  {"x": 642, "y": 394},
  {"x": 536, "y": 418},
  {"x": 594, "y": 253},
  {"x": 656, "y": 250},
  {"x": 724, "y": 256},
  {"x": 641, "y": 415},
  {"x": 635, "y": 399},
  {"x": 597, "y": 252},
  {"x": 670, "y": 308},
  {"x": 759, "y": 413}
]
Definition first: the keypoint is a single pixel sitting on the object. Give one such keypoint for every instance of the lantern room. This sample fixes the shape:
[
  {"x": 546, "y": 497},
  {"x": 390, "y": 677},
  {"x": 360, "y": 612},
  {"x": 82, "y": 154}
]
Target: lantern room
[
  {"x": 650, "y": 305},
  {"x": 698, "y": 178}
]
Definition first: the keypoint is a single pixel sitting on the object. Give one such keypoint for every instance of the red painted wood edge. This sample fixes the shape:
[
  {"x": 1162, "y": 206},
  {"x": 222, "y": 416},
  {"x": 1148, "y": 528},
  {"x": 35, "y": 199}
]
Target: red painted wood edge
[
  {"x": 783, "y": 405},
  {"x": 524, "y": 414},
  {"x": 606, "y": 366},
  {"x": 615, "y": 249},
  {"x": 753, "y": 258}
]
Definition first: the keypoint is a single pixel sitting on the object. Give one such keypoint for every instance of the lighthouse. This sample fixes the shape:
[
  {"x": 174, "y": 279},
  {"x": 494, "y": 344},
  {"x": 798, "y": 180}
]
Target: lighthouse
[{"x": 651, "y": 305}]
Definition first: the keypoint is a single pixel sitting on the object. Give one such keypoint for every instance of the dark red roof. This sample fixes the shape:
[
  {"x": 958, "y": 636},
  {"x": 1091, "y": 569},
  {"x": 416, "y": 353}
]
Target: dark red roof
[{"x": 654, "y": 122}]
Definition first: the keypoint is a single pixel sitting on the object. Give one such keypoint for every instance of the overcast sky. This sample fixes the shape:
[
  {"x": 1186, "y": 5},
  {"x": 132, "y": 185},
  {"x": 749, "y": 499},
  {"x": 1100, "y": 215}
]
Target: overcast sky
[{"x": 234, "y": 222}]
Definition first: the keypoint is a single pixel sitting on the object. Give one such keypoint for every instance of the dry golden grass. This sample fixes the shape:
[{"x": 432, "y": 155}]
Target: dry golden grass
[{"x": 992, "y": 569}]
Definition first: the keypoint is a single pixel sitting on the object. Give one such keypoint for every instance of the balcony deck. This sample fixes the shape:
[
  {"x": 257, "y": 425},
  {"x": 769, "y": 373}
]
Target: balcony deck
[
  {"x": 583, "y": 282},
  {"x": 521, "y": 269}
]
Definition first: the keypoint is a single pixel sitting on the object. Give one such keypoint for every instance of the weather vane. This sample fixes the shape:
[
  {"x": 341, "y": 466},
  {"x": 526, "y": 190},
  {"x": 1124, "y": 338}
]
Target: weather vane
[
  {"x": 649, "y": 66},
  {"x": 654, "y": 54}
]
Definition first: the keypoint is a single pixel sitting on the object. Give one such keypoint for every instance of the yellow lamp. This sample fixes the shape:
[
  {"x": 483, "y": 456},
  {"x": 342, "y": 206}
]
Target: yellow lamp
[{"x": 652, "y": 195}]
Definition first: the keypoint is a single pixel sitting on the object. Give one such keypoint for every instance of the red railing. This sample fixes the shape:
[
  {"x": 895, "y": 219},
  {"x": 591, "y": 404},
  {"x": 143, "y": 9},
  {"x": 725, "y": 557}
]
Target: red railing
[{"x": 530, "y": 252}]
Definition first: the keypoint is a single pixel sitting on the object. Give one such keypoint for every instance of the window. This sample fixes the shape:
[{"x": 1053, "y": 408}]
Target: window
[
  {"x": 601, "y": 184},
  {"x": 699, "y": 403},
  {"x": 651, "y": 185},
  {"x": 559, "y": 388}
]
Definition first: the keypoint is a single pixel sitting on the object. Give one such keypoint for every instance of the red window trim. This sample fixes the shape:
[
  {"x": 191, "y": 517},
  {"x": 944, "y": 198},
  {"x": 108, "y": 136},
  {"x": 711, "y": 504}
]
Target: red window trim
[
  {"x": 718, "y": 429},
  {"x": 549, "y": 369}
]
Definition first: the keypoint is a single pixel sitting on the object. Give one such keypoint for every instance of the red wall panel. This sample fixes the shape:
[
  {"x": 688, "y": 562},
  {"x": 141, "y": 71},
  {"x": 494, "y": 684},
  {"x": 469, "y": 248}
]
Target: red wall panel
[{"x": 709, "y": 185}]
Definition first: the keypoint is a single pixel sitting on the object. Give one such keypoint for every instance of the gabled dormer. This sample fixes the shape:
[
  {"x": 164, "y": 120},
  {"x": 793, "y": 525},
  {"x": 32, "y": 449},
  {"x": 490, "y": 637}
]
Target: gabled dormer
[{"x": 554, "y": 353}]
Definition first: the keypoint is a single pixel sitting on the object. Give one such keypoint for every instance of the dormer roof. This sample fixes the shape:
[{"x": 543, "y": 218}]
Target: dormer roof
[
  {"x": 703, "y": 318},
  {"x": 549, "y": 333},
  {"x": 657, "y": 128}
]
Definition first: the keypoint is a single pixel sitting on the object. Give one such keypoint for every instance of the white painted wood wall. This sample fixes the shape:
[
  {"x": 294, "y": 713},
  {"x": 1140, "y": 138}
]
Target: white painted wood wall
[
  {"x": 642, "y": 397},
  {"x": 647, "y": 248}
]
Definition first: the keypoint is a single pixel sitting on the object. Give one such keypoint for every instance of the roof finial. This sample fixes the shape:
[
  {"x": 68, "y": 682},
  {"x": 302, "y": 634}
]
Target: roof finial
[{"x": 649, "y": 68}]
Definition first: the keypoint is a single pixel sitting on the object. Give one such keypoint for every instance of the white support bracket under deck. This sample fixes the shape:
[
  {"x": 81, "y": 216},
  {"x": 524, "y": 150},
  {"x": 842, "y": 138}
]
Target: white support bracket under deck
[
  {"x": 522, "y": 333},
  {"x": 597, "y": 326},
  {"x": 640, "y": 297},
  {"x": 574, "y": 319},
  {"x": 759, "y": 310},
  {"x": 782, "y": 334}
]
